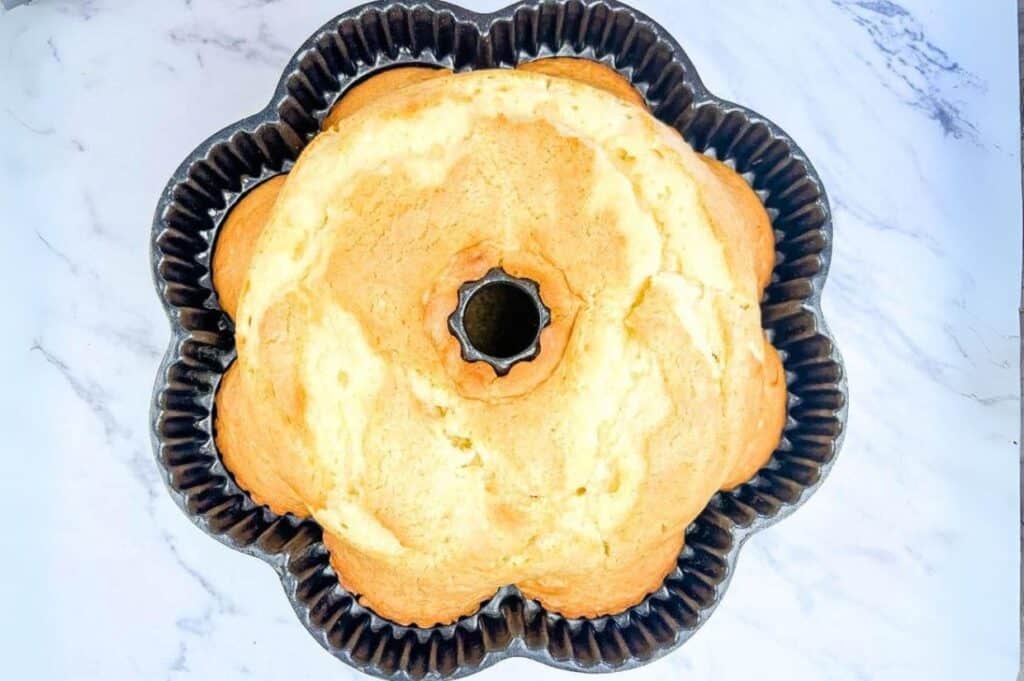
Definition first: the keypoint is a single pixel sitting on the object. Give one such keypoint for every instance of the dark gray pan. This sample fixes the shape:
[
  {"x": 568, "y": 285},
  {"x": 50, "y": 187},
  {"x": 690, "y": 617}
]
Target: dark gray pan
[{"x": 375, "y": 36}]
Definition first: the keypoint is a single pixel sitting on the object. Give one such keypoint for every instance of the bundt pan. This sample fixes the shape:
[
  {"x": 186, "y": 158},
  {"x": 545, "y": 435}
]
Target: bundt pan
[{"x": 366, "y": 40}]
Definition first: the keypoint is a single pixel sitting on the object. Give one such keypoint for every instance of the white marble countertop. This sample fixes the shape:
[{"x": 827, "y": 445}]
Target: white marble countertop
[{"x": 904, "y": 565}]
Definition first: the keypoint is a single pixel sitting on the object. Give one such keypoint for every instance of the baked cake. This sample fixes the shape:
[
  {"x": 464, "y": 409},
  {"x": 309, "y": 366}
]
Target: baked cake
[{"x": 435, "y": 479}]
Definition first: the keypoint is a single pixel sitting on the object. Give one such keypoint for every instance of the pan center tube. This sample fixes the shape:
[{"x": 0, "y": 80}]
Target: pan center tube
[{"x": 499, "y": 319}]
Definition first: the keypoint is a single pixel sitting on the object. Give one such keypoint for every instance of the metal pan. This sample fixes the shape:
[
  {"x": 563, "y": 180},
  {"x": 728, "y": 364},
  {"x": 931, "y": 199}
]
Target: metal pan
[{"x": 376, "y": 36}]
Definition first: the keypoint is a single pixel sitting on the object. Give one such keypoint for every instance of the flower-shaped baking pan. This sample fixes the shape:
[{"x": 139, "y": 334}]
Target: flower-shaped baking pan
[{"x": 364, "y": 41}]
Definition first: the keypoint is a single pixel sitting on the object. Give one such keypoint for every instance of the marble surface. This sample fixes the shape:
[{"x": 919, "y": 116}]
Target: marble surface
[{"x": 905, "y": 564}]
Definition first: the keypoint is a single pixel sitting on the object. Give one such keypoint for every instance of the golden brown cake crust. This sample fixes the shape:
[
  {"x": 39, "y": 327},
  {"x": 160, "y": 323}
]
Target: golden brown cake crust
[
  {"x": 573, "y": 476},
  {"x": 586, "y": 71},
  {"x": 237, "y": 239},
  {"x": 754, "y": 217},
  {"x": 374, "y": 87}
]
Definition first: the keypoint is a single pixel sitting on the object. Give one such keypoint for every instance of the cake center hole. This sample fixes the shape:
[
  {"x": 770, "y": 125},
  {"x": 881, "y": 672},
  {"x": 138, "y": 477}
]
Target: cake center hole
[{"x": 501, "y": 320}]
